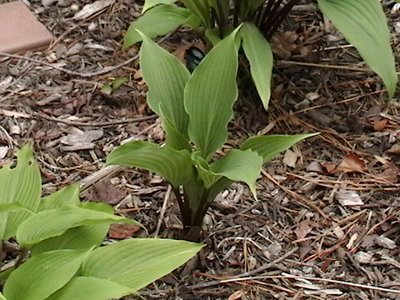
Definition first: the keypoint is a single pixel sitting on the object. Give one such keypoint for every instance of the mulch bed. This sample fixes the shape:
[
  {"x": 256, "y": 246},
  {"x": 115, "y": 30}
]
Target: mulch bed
[{"x": 326, "y": 222}]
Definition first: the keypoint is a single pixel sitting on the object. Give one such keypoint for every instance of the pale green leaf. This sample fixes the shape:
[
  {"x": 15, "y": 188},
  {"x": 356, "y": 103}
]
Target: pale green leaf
[
  {"x": 213, "y": 35},
  {"x": 66, "y": 196},
  {"x": 2, "y": 297},
  {"x": 270, "y": 146},
  {"x": 79, "y": 238},
  {"x": 156, "y": 22},
  {"x": 201, "y": 9},
  {"x": 20, "y": 184},
  {"x": 8, "y": 207},
  {"x": 42, "y": 275},
  {"x": 259, "y": 54},
  {"x": 173, "y": 138},
  {"x": 209, "y": 97},
  {"x": 166, "y": 78},
  {"x": 54, "y": 222},
  {"x": 174, "y": 165},
  {"x": 239, "y": 165},
  {"x": 208, "y": 177},
  {"x": 151, "y": 3},
  {"x": 90, "y": 288},
  {"x": 137, "y": 262},
  {"x": 363, "y": 23}
]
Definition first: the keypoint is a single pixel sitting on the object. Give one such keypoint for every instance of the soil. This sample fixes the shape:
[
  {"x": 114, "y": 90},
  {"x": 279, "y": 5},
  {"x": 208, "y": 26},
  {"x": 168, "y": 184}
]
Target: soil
[{"x": 326, "y": 222}]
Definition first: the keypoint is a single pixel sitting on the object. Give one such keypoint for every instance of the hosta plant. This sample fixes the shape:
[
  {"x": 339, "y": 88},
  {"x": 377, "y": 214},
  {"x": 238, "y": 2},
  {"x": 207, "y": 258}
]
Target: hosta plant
[
  {"x": 59, "y": 238},
  {"x": 362, "y": 22},
  {"x": 195, "y": 109}
]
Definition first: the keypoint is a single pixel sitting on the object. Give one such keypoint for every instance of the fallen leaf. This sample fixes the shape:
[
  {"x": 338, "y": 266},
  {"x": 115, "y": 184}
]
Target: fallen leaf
[
  {"x": 368, "y": 241},
  {"x": 82, "y": 137},
  {"x": 90, "y": 9},
  {"x": 395, "y": 149},
  {"x": 329, "y": 166},
  {"x": 385, "y": 242},
  {"x": 304, "y": 228},
  {"x": 349, "y": 198},
  {"x": 363, "y": 257},
  {"x": 381, "y": 124},
  {"x": 316, "y": 167},
  {"x": 236, "y": 295},
  {"x": 351, "y": 164},
  {"x": 290, "y": 158},
  {"x": 3, "y": 151},
  {"x": 391, "y": 173},
  {"x": 122, "y": 231},
  {"x": 104, "y": 191}
]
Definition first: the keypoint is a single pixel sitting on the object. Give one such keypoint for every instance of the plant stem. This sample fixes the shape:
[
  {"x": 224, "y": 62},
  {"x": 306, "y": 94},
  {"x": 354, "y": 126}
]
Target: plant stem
[
  {"x": 236, "y": 12},
  {"x": 268, "y": 16},
  {"x": 265, "y": 12},
  {"x": 279, "y": 17},
  {"x": 221, "y": 14},
  {"x": 185, "y": 213}
]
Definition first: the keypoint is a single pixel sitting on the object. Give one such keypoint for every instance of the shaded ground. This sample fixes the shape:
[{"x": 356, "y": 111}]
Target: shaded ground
[{"x": 327, "y": 221}]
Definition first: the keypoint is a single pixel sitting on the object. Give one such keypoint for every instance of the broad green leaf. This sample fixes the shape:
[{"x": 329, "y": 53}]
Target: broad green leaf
[
  {"x": 2, "y": 297},
  {"x": 259, "y": 54},
  {"x": 137, "y": 262},
  {"x": 8, "y": 207},
  {"x": 208, "y": 177},
  {"x": 166, "y": 78},
  {"x": 363, "y": 24},
  {"x": 20, "y": 184},
  {"x": 156, "y": 22},
  {"x": 90, "y": 288},
  {"x": 239, "y": 165},
  {"x": 66, "y": 196},
  {"x": 42, "y": 275},
  {"x": 201, "y": 9},
  {"x": 151, "y": 3},
  {"x": 209, "y": 97},
  {"x": 174, "y": 165},
  {"x": 54, "y": 222},
  {"x": 213, "y": 35},
  {"x": 173, "y": 138},
  {"x": 270, "y": 146},
  {"x": 221, "y": 9},
  {"x": 79, "y": 238}
]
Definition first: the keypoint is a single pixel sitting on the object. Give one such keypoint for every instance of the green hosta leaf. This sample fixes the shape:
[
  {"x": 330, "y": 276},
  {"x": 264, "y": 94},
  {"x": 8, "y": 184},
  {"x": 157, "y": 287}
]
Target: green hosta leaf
[
  {"x": 20, "y": 184},
  {"x": 66, "y": 196},
  {"x": 8, "y": 207},
  {"x": 363, "y": 23},
  {"x": 155, "y": 22},
  {"x": 208, "y": 177},
  {"x": 201, "y": 9},
  {"x": 209, "y": 97},
  {"x": 137, "y": 262},
  {"x": 54, "y": 222},
  {"x": 174, "y": 165},
  {"x": 42, "y": 275},
  {"x": 259, "y": 54},
  {"x": 90, "y": 288},
  {"x": 270, "y": 146},
  {"x": 239, "y": 165},
  {"x": 151, "y": 3},
  {"x": 213, "y": 35},
  {"x": 166, "y": 78},
  {"x": 173, "y": 138},
  {"x": 79, "y": 238}
]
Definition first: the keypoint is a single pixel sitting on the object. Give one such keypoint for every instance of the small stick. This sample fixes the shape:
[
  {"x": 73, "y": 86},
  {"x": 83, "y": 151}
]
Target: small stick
[{"x": 163, "y": 209}]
